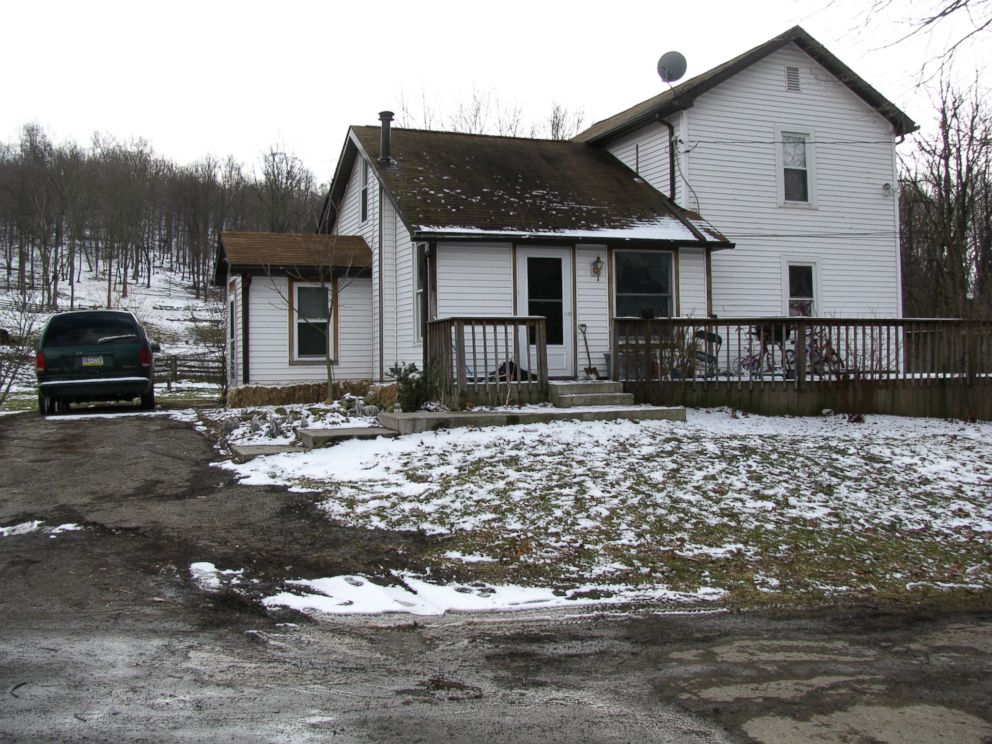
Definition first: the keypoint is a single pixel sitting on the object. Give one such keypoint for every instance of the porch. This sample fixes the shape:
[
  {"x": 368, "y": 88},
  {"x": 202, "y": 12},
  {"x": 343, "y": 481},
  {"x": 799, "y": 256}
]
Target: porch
[
  {"x": 801, "y": 366},
  {"x": 773, "y": 365}
]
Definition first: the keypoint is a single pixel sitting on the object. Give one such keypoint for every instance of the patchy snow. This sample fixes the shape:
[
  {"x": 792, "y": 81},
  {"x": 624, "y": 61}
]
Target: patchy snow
[
  {"x": 278, "y": 424},
  {"x": 351, "y": 595},
  {"x": 36, "y": 525},
  {"x": 633, "y": 504},
  {"x": 211, "y": 579},
  {"x": 664, "y": 228}
]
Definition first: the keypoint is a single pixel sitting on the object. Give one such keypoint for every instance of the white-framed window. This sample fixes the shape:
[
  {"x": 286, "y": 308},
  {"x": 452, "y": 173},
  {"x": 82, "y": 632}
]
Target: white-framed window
[
  {"x": 644, "y": 284},
  {"x": 801, "y": 284},
  {"x": 311, "y": 320},
  {"x": 420, "y": 290},
  {"x": 796, "y": 171},
  {"x": 365, "y": 189}
]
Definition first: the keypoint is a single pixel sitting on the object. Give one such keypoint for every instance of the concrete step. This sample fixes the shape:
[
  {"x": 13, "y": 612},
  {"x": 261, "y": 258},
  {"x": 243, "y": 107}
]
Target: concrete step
[
  {"x": 594, "y": 399},
  {"x": 314, "y": 438},
  {"x": 560, "y": 389}
]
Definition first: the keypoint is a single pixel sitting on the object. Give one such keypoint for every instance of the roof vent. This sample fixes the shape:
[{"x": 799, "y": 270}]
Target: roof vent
[
  {"x": 386, "y": 118},
  {"x": 792, "y": 78}
]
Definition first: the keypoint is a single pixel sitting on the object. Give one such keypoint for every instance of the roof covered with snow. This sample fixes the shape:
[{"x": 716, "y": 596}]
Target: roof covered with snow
[
  {"x": 255, "y": 252},
  {"x": 681, "y": 96},
  {"x": 447, "y": 184}
]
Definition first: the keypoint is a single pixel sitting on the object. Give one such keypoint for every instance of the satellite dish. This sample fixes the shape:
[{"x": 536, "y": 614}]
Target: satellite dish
[{"x": 671, "y": 66}]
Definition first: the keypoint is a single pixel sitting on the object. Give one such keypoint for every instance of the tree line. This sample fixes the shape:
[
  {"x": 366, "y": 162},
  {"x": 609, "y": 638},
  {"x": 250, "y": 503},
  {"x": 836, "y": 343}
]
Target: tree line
[{"x": 119, "y": 211}]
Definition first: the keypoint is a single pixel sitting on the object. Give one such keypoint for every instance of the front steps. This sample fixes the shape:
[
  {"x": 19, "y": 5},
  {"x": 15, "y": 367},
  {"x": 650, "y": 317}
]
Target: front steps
[{"x": 575, "y": 393}]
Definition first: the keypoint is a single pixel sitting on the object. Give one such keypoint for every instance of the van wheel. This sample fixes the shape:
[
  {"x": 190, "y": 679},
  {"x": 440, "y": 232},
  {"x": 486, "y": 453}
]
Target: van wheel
[
  {"x": 148, "y": 400},
  {"x": 46, "y": 406}
]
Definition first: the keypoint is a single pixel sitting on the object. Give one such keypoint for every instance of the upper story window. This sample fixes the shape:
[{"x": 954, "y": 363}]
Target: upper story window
[
  {"x": 365, "y": 189},
  {"x": 796, "y": 167},
  {"x": 644, "y": 284},
  {"x": 796, "y": 171},
  {"x": 311, "y": 320}
]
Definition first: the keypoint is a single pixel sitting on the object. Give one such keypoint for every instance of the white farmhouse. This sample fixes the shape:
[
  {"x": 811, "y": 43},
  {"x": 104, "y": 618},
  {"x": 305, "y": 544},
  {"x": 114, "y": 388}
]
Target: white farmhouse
[{"x": 764, "y": 187}]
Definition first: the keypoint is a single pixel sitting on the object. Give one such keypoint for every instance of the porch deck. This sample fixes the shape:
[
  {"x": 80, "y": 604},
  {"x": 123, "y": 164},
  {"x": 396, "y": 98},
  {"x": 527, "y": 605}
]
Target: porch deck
[{"x": 773, "y": 365}]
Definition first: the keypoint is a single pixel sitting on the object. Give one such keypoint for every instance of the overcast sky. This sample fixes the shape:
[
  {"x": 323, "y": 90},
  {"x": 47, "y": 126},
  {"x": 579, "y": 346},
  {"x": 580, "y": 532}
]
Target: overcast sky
[{"x": 220, "y": 77}]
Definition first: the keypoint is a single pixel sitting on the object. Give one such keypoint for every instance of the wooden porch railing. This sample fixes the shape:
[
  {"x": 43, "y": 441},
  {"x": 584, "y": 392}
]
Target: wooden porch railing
[
  {"x": 488, "y": 360},
  {"x": 797, "y": 351},
  {"x": 910, "y": 366}
]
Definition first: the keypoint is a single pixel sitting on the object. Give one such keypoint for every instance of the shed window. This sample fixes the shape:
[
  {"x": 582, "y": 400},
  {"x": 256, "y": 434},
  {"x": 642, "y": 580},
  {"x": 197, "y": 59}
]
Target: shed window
[
  {"x": 795, "y": 165},
  {"x": 311, "y": 320},
  {"x": 644, "y": 282},
  {"x": 801, "y": 294}
]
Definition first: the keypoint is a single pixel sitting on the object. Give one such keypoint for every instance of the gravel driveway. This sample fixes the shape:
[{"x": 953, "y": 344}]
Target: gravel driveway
[{"x": 105, "y": 637}]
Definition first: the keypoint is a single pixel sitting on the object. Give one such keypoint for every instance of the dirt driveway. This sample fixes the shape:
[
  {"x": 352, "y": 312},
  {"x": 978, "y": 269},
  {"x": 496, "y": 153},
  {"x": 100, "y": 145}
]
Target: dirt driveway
[{"x": 104, "y": 637}]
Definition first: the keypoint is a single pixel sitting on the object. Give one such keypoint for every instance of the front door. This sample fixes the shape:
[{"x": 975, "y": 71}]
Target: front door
[{"x": 544, "y": 287}]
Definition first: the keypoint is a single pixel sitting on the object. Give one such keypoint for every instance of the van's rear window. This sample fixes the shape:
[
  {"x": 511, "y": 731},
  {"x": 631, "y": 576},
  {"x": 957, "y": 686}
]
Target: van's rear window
[{"x": 87, "y": 330}]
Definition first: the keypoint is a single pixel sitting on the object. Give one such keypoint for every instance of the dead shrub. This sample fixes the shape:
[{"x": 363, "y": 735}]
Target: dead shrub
[
  {"x": 354, "y": 388},
  {"x": 383, "y": 396},
  {"x": 258, "y": 395}
]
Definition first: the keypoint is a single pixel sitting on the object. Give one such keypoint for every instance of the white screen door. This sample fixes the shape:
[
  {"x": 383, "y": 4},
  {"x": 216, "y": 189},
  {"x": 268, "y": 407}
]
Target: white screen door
[{"x": 544, "y": 287}]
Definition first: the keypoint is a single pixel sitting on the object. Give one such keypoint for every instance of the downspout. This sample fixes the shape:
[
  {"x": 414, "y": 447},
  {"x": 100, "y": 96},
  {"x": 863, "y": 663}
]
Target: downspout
[{"x": 671, "y": 158}]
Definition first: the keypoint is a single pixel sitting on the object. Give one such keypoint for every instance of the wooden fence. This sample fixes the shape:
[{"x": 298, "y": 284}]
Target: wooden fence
[
  {"x": 939, "y": 367},
  {"x": 197, "y": 368},
  {"x": 488, "y": 360}
]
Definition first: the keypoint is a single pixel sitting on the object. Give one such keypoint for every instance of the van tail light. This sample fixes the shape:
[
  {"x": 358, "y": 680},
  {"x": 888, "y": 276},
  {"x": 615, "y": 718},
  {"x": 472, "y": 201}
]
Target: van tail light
[
  {"x": 145, "y": 356},
  {"x": 39, "y": 362}
]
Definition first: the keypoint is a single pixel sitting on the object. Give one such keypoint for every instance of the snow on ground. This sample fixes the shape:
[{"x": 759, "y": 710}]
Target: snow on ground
[
  {"x": 352, "y": 595},
  {"x": 748, "y": 504},
  {"x": 278, "y": 424},
  {"x": 25, "y": 528}
]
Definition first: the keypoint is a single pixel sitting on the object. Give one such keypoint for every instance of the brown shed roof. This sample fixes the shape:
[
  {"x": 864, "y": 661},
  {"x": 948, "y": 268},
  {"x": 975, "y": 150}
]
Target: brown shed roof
[
  {"x": 681, "y": 96},
  {"x": 447, "y": 184},
  {"x": 253, "y": 252}
]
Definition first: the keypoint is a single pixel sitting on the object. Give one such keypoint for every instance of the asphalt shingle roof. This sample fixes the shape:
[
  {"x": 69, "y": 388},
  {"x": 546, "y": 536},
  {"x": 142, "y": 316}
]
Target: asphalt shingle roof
[
  {"x": 447, "y": 183},
  {"x": 281, "y": 252}
]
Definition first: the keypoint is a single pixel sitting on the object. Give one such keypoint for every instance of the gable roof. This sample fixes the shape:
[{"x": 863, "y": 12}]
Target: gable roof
[
  {"x": 681, "y": 96},
  {"x": 448, "y": 184},
  {"x": 279, "y": 253}
]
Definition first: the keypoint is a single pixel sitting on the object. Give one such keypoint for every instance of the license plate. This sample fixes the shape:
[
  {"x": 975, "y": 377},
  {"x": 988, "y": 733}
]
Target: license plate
[{"x": 92, "y": 361}]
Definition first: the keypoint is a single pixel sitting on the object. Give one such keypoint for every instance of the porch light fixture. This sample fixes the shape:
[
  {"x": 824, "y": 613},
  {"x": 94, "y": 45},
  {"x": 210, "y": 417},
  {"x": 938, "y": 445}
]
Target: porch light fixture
[{"x": 597, "y": 267}]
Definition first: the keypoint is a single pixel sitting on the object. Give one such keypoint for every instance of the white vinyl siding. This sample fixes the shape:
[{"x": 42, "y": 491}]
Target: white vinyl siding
[
  {"x": 692, "y": 283},
  {"x": 646, "y": 153},
  {"x": 592, "y": 305},
  {"x": 474, "y": 279},
  {"x": 271, "y": 328},
  {"x": 732, "y": 133},
  {"x": 349, "y": 222}
]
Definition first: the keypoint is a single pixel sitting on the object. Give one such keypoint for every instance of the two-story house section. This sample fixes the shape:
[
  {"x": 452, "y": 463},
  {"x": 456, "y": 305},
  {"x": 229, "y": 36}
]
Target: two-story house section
[{"x": 792, "y": 156}]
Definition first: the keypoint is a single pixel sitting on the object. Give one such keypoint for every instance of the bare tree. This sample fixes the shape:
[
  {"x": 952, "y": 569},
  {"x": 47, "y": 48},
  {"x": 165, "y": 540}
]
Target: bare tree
[
  {"x": 18, "y": 322},
  {"x": 564, "y": 124},
  {"x": 925, "y": 16},
  {"x": 946, "y": 212}
]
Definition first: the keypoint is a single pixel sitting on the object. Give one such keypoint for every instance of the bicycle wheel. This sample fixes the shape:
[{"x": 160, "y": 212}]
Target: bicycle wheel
[{"x": 737, "y": 366}]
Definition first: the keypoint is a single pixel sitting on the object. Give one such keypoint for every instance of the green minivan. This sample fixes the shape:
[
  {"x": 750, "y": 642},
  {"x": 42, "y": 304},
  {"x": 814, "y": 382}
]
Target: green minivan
[{"x": 94, "y": 355}]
